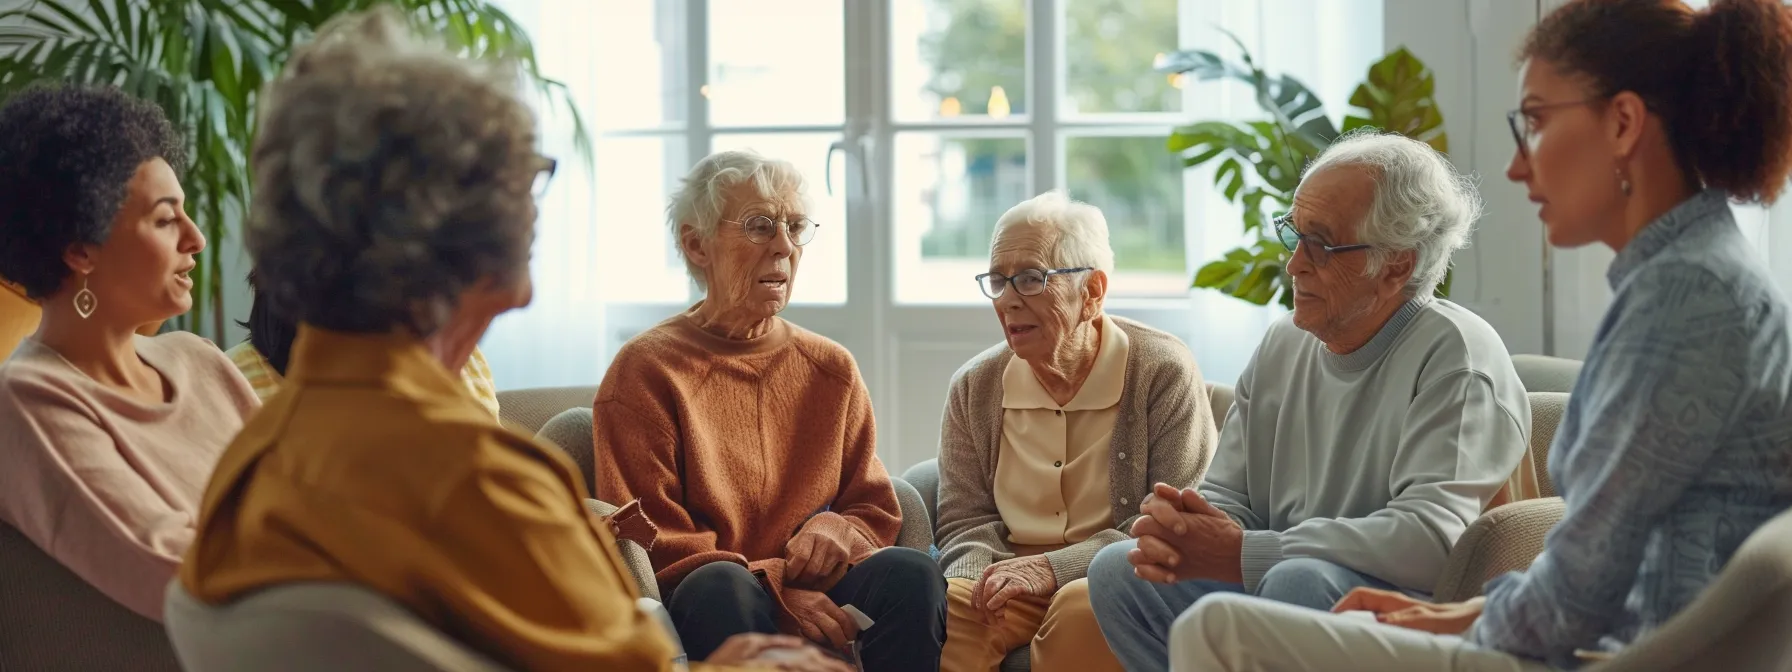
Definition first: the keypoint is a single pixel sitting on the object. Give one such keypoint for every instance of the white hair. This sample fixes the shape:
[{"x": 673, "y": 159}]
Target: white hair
[
  {"x": 1421, "y": 203},
  {"x": 1083, "y": 230},
  {"x": 701, "y": 200}
]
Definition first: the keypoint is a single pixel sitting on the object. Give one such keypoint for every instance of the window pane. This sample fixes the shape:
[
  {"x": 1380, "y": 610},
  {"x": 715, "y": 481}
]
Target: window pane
[
  {"x": 821, "y": 277},
  {"x": 776, "y": 62},
  {"x": 1109, "y": 48},
  {"x": 953, "y": 58},
  {"x": 636, "y": 51},
  {"x": 949, "y": 192},
  {"x": 636, "y": 259},
  {"x": 1139, "y": 187}
]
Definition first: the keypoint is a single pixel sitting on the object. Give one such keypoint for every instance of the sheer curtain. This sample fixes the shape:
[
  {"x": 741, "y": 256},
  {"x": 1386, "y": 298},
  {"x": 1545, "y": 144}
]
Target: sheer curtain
[{"x": 559, "y": 339}]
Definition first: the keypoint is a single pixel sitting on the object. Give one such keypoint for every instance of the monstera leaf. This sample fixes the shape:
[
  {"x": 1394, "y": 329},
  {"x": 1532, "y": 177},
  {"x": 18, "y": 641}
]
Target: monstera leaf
[
  {"x": 1398, "y": 97},
  {"x": 1295, "y": 109}
]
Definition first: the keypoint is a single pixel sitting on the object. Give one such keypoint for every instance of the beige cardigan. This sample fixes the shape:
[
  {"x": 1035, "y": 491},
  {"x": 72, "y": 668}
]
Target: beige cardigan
[{"x": 1165, "y": 433}]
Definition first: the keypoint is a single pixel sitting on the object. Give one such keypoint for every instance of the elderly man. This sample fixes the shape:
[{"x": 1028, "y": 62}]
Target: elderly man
[
  {"x": 1368, "y": 430},
  {"x": 1051, "y": 439},
  {"x": 750, "y": 442}
]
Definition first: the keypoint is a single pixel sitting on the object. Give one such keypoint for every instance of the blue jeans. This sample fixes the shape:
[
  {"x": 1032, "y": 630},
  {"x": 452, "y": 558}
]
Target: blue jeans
[{"x": 1135, "y": 615}]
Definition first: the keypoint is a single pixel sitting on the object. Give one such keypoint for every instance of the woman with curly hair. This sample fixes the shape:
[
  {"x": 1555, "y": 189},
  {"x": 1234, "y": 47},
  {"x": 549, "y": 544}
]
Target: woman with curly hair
[
  {"x": 108, "y": 436},
  {"x": 394, "y": 211}
]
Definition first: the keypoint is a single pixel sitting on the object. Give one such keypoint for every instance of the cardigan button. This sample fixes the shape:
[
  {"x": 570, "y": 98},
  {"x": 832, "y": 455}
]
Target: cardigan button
[
  {"x": 1122, "y": 456},
  {"x": 1123, "y": 501}
]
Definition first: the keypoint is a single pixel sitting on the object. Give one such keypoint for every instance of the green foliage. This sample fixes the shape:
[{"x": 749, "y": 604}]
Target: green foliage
[
  {"x": 1260, "y": 161},
  {"x": 980, "y": 44},
  {"x": 205, "y": 62}
]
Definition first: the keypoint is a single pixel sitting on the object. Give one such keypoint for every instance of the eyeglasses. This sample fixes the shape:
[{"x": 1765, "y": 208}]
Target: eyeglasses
[
  {"x": 761, "y": 229},
  {"x": 1029, "y": 282},
  {"x": 1319, "y": 252},
  {"x": 1519, "y": 121},
  {"x": 543, "y": 177}
]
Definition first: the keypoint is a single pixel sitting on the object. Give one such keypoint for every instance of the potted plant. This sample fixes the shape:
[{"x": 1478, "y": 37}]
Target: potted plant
[
  {"x": 1261, "y": 161},
  {"x": 205, "y": 62}
]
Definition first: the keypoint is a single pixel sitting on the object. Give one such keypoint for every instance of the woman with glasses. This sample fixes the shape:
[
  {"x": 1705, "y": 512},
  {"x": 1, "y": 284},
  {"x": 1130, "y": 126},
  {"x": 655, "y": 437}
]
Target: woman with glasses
[
  {"x": 1052, "y": 439},
  {"x": 750, "y": 442},
  {"x": 1638, "y": 121}
]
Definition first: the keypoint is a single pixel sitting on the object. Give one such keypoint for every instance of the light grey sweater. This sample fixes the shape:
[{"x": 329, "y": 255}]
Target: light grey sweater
[
  {"x": 1164, "y": 433},
  {"x": 1376, "y": 460}
]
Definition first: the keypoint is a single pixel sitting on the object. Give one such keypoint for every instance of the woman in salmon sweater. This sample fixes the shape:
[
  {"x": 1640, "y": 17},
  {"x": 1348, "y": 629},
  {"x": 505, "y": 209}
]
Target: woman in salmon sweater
[
  {"x": 106, "y": 436},
  {"x": 750, "y": 443}
]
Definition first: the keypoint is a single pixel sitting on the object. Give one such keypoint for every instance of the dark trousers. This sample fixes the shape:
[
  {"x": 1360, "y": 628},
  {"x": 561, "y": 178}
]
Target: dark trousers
[{"x": 901, "y": 589}]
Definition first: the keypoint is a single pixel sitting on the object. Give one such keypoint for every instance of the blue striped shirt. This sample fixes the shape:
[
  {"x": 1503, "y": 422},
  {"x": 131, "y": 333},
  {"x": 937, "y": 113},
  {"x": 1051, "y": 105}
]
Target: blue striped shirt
[{"x": 1675, "y": 446}]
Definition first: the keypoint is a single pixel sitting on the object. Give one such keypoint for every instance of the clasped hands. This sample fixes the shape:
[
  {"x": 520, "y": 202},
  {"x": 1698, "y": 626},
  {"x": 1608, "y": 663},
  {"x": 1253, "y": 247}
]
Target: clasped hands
[
  {"x": 1030, "y": 576},
  {"x": 1181, "y": 537}
]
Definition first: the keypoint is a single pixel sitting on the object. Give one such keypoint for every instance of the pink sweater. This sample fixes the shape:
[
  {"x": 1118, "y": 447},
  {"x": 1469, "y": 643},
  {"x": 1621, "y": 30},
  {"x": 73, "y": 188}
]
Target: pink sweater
[{"x": 106, "y": 484}]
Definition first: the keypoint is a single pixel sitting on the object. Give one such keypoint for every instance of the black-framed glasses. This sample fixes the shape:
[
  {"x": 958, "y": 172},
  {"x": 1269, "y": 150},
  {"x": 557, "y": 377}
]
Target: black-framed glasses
[
  {"x": 1029, "y": 282},
  {"x": 545, "y": 176},
  {"x": 1317, "y": 250},
  {"x": 761, "y": 229},
  {"x": 1519, "y": 121}
]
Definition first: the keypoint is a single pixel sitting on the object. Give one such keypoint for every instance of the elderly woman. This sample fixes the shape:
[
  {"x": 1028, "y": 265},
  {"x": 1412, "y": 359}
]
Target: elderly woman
[
  {"x": 392, "y": 222},
  {"x": 265, "y": 355},
  {"x": 750, "y": 442},
  {"x": 107, "y": 436},
  {"x": 1052, "y": 439},
  {"x": 1674, "y": 447}
]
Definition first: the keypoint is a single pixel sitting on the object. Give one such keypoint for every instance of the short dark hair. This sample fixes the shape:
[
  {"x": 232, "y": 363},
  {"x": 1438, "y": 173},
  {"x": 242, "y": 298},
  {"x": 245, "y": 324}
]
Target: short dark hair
[
  {"x": 269, "y": 333},
  {"x": 66, "y": 154},
  {"x": 1720, "y": 79}
]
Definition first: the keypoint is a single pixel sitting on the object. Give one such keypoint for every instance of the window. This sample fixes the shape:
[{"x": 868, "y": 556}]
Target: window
[{"x": 918, "y": 123}]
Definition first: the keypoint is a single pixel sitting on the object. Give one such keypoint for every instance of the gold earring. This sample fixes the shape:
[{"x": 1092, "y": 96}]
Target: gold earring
[{"x": 85, "y": 300}]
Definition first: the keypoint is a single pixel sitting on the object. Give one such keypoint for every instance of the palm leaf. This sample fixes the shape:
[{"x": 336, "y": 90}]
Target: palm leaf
[{"x": 204, "y": 62}]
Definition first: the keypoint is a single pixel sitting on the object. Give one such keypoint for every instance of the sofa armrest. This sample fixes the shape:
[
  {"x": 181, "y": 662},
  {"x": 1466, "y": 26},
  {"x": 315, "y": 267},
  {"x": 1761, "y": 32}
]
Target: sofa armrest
[
  {"x": 1505, "y": 539},
  {"x": 639, "y": 566}
]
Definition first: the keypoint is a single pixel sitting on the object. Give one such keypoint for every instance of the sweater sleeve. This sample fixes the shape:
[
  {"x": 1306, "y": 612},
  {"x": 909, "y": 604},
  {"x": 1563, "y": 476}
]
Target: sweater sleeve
[
  {"x": 533, "y": 580},
  {"x": 972, "y": 535},
  {"x": 1227, "y": 485},
  {"x": 69, "y": 489},
  {"x": 1179, "y": 445},
  {"x": 1671, "y": 379},
  {"x": 1458, "y": 446},
  {"x": 636, "y": 456},
  {"x": 864, "y": 513}
]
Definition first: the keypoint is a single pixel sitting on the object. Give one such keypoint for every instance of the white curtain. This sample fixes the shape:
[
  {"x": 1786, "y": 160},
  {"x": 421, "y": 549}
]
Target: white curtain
[{"x": 560, "y": 338}]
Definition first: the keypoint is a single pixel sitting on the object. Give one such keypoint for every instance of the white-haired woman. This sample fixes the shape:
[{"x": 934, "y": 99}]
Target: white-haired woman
[
  {"x": 1050, "y": 441},
  {"x": 749, "y": 441}
]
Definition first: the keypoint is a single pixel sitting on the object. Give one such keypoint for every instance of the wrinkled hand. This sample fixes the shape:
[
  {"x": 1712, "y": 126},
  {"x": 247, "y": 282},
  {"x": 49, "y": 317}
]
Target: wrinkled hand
[
  {"x": 1182, "y": 537},
  {"x": 1396, "y": 608},
  {"x": 1003, "y": 581},
  {"x": 822, "y": 621},
  {"x": 630, "y": 523},
  {"x": 774, "y": 652},
  {"x": 812, "y": 558}
]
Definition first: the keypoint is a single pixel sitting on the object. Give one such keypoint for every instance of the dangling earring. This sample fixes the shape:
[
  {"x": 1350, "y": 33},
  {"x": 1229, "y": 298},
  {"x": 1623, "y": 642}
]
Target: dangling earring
[
  {"x": 85, "y": 300},
  {"x": 1623, "y": 181}
]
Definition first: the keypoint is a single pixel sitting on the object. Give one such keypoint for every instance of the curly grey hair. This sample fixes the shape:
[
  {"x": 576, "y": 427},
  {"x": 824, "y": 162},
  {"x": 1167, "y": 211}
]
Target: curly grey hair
[
  {"x": 390, "y": 176},
  {"x": 702, "y": 199},
  {"x": 1421, "y": 202}
]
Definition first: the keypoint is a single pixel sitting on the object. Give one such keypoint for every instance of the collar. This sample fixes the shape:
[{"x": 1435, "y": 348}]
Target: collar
[
  {"x": 1703, "y": 209},
  {"x": 1102, "y": 389},
  {"x": 777, "y": 337},
  {"x": 1363, "y": 357},
  {"x": 395, "y": 361}
]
